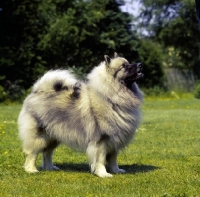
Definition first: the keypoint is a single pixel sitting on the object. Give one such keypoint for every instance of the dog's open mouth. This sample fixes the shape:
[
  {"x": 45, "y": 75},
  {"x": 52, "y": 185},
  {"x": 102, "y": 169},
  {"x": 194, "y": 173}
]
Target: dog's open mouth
[{"x": 135, "y": 71}]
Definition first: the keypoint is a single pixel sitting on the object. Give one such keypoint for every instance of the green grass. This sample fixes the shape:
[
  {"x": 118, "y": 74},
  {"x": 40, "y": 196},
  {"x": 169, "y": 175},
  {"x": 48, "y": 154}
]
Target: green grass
[{"x": 163, "y": 160}]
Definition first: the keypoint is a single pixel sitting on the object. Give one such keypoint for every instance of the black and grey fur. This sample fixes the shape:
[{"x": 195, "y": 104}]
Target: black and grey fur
[{"x": 99, "y": 116}]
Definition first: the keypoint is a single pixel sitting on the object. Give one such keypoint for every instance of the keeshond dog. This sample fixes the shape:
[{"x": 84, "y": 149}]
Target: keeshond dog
[{"x": 98, "y": 116}]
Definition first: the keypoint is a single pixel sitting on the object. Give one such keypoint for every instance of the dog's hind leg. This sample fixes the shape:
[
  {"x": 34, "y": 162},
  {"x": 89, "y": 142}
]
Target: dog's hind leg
[
  {"x": 47, "y": 163},
  {"x": 97, "y": 158},
  {"x": 33, "y": 143},
  {"x": 32, "y": 149},
  {"x": 112, "y": 163}
]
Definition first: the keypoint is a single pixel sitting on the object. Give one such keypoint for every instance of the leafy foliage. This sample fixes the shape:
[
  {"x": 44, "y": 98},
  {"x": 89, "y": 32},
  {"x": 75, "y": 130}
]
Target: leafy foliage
[
  {"x": 78, "y": 39},
  {"x": 173, "y": 23},
  {"x": 20, "y": 55},
  {"x": 2, "y": 94},
  {"x": 197, "y": 91},
  {"x": 151, "y": 57},
  {"x": 42, "y": 35}
]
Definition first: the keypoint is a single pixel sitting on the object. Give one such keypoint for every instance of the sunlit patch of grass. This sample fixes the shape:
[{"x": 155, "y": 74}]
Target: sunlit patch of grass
[{"x": 163, "y": 160}]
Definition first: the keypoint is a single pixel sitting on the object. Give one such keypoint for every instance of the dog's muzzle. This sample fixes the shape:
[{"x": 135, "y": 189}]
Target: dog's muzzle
[{"x": 134, "y": 71}]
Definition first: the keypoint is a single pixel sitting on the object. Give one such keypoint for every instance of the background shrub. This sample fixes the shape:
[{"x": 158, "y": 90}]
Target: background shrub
[
  {"x": 2, "y": 94},
  {"x": 197, "y": 91}
]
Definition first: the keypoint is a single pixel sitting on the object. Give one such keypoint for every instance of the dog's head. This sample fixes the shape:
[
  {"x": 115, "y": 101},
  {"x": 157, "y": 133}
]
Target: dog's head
[{"x": 123, "y": 71}]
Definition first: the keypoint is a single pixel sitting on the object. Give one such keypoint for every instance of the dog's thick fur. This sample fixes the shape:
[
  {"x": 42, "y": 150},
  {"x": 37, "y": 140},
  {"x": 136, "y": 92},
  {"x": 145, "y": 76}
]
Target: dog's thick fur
[{"x": 99, "y": 116}]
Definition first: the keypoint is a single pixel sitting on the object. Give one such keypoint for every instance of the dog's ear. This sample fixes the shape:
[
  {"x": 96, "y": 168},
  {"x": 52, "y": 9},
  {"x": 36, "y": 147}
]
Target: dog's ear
[
  {"x": 115, "y": 55},
  {"x": 107, "y": 60}
]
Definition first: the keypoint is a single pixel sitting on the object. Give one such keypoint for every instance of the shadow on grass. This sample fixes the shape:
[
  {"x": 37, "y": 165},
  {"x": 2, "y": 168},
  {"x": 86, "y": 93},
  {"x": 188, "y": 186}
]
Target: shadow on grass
[
  {"x": 130, "y": 169},
  {"x": 73, "y": 167},
  {"x": 138, "y": 168}
]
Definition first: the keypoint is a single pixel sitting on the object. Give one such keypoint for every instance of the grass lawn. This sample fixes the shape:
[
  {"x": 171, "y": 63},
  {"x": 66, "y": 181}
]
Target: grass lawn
[{"x": 163, "y": 160}]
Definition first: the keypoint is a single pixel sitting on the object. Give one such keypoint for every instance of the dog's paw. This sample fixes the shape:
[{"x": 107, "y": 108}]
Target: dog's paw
[
  {"x": 31, "y": 170},
  {"x": 117, "y": 170},
  {"x": 100, "y": 170},
  {"x": 121, "y": 171},
  {"x": 50, "y": 168},
  {"x": 56, "y": 168},
  {"x": 104, "y": 175}
]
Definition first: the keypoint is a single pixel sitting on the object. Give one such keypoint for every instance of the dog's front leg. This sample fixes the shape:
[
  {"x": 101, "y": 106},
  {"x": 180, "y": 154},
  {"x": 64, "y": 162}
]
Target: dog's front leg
[
  {"x": 97, "y": 158},
  {"x": 112, "y": 163}
]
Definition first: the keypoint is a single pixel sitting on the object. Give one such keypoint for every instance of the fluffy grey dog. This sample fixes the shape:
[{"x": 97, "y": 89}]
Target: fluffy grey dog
[{"x": 99, "y": 116}]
